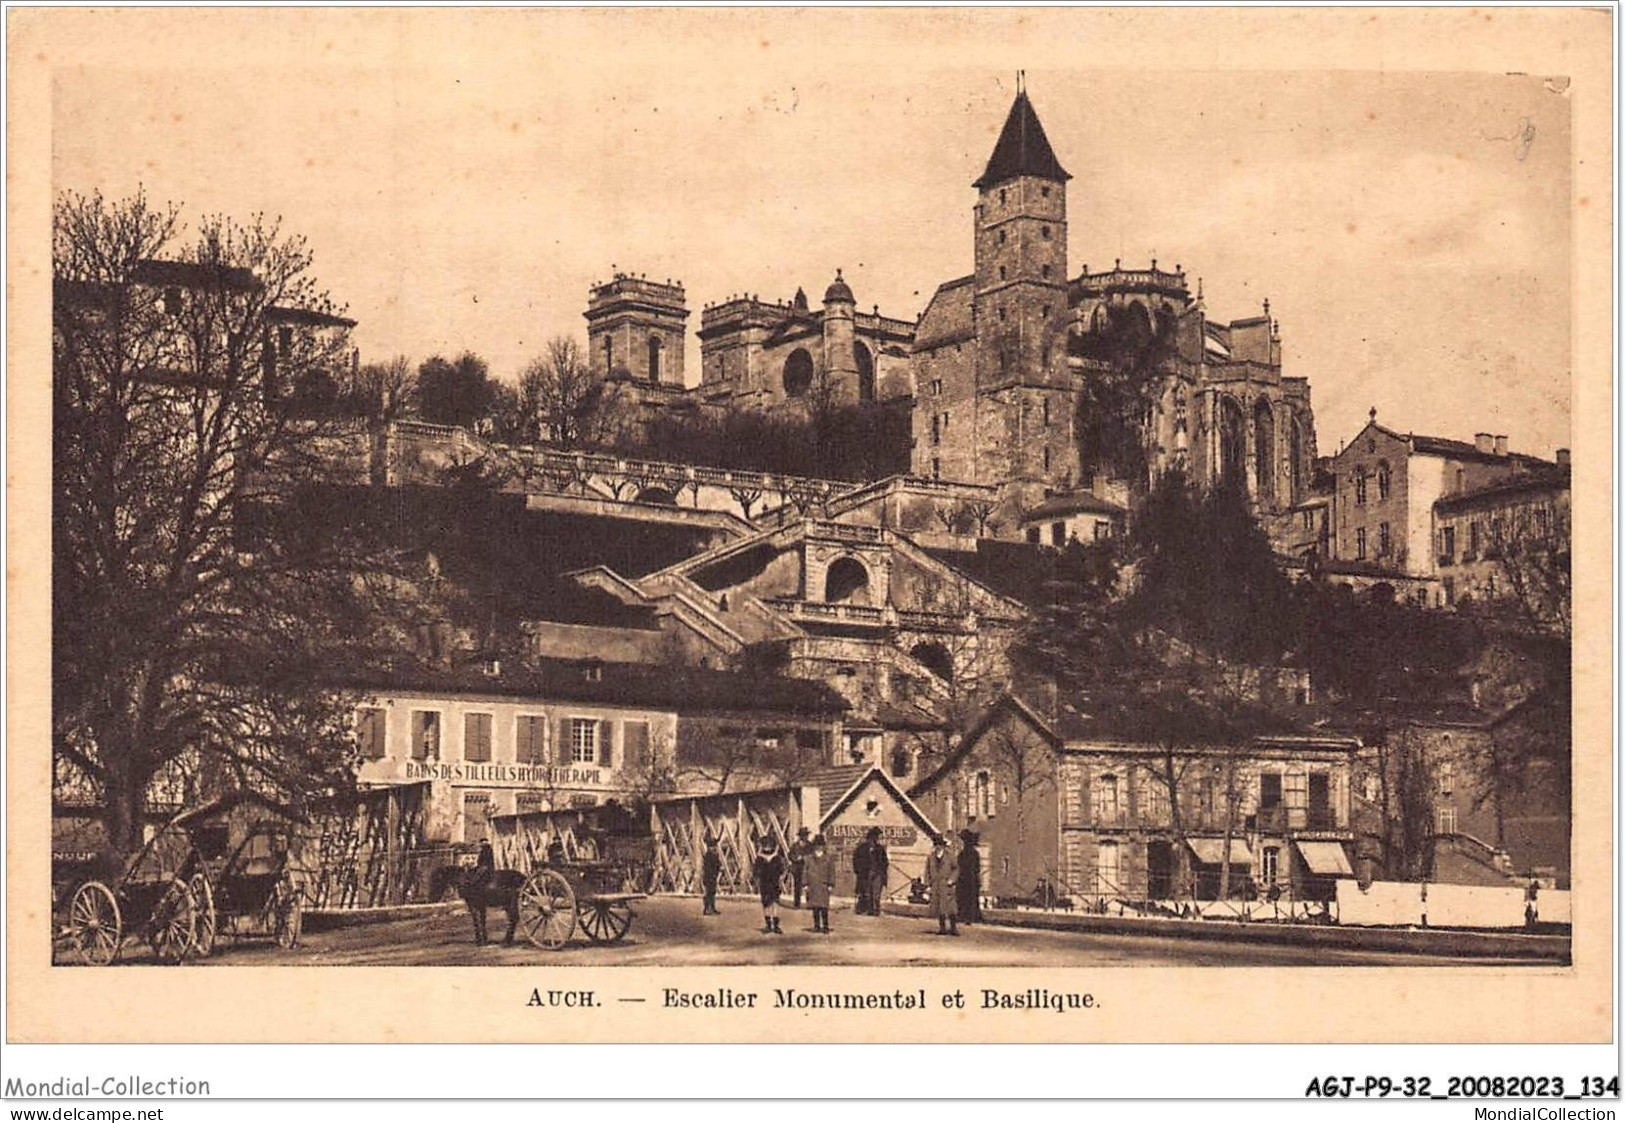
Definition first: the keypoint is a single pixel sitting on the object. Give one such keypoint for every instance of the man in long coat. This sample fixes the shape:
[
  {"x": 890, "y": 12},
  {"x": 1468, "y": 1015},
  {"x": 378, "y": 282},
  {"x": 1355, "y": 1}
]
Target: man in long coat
[
  {"x": 879, "y": 870},
  {"x": 942, "y": 878},
  {"x": 862, "y": 857},
  {"x": 969, "y": 887}
]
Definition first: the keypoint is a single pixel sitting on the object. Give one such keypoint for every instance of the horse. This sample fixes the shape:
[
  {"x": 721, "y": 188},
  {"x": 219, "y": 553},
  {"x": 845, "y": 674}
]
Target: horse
[{"x": 483, "y": 889}]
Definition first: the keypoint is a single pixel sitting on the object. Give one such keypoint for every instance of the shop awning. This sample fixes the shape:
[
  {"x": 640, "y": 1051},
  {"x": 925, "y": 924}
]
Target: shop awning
[
  {"x": 1325, "y": 858},
  {"x": 1210, "y": 851}
]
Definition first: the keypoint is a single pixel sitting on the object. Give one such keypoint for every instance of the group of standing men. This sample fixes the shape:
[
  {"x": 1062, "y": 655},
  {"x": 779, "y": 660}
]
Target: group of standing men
[
  {"x": 953, "y": 881},
  {"x": 953, "y": 878}
]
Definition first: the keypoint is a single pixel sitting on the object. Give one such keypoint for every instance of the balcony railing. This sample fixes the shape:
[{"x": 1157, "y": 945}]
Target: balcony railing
[
  {"x": 845, "y": 613},
  {"x": 1280, "y": 819}
]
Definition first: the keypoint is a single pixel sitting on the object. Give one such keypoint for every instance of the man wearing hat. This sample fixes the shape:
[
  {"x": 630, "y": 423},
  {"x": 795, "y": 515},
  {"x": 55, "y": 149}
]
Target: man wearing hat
[
  {"x": 799, "y": 849},
  {"x": 710, "y": 871}
]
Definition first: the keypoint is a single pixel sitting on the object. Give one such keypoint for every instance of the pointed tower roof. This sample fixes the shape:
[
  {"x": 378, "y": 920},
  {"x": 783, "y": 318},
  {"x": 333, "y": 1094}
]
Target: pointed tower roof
[{"x": 1023, "y": 149}]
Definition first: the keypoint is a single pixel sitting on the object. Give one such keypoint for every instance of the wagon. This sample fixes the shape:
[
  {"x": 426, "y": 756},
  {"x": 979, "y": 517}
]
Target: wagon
[
  {"x": 250, "y": 892},
  {"x": 556, "y": 899},
  {"x": 150, "y": 898}
]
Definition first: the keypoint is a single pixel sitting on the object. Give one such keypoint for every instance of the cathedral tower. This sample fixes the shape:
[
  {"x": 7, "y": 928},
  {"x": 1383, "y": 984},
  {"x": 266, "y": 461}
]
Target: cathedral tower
[
  {"x": 635, "y": 329},
  {"x": 1025, "y": 396}
]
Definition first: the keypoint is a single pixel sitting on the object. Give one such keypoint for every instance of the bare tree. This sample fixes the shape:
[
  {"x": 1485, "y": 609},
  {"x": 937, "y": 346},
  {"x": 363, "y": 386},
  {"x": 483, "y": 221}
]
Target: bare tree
[
  {"x": 385, "y": 391},
  {"x": 180, "y": 624},
  {"x": 1024, "y": 765},
  {"x": 1532, "y": 545},
  {"x": 562, "y": 402}
]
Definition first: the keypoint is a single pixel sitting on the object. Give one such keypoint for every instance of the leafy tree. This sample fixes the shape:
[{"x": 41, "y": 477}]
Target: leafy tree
[
  {"x": 179, "y": 633},
  {"x": 458, "y": 392},
  {"x": 1207, "y": 573}
]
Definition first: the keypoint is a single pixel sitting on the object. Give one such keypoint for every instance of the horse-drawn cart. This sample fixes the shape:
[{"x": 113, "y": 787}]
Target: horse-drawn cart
[
  {"x": 187, "y": 887},
  {"x": 555, "y": 900},
  {"x": 150, "y": 896},
  {"x": 250, "y": 892}
]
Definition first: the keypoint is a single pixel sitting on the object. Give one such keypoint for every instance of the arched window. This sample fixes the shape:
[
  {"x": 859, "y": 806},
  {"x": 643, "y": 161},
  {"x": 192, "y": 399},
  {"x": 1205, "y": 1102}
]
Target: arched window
[
  {"x": 1232, "y": 443},
  {"x": 901, "y": 761},
  {"x": 847, "y": 581},
  {"x": 798, "y": 373},
  {"x": 936, "y": 659},
  {"x": 866, "y": 372},
  {"x": 982, "y": 803},
  {"x": 1295, "y": 450},
  {"x": 1264, "y": 450},
  {"x": 654, "y": 358},
  {"x": 1107, "y": 868}
]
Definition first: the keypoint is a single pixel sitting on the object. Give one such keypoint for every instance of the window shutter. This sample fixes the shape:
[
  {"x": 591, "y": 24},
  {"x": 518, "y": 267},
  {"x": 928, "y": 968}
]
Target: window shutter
[
  {"x": 477, "y": 737},
  {"x": 522, "y": 733},
  {"x": 635, "y": 744},
  {"x": 562, "y": 749},
  {"x": 606, "y": 743}
]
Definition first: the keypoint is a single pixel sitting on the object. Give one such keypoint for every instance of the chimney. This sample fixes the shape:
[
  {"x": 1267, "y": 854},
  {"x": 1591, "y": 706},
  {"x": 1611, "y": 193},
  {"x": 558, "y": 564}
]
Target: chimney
[
  {"x": 1563, "y": 458},
  {"x": 1501, "y": 445},
  {"x": 1484, "y": 442}
]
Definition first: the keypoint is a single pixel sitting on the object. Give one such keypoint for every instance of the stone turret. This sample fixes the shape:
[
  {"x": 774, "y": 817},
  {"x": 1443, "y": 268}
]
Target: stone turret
[{"x": 840, "y": 360}]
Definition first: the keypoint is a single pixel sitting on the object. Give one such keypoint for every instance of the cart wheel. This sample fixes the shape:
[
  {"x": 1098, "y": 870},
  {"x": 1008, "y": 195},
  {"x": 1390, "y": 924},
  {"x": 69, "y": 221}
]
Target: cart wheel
[
  {"x": 208, "y": 920},
  {"x": 605, "y": 922},
  {"x": 547, "y": 910},
  {"x": 289, "y": 917},
  {"x": 95, "y": 927},
  {"x": 172, "y": 930}
]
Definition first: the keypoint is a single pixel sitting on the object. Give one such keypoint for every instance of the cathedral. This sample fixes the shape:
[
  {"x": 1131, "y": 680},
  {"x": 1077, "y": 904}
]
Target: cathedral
[{"x": 997, "y": 371}]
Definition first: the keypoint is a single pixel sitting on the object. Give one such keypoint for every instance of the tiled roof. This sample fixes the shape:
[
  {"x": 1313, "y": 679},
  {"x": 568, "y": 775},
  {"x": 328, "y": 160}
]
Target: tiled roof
[
  {"x": 683, "y": 690},
  {"x": 948, "y": 318},
  {"x": 1022, "y": 149},
  {"x": 834, "y": 782},
  {"x": 1543, "y": 477},
  {"x": 1077, "y": 502},
  {"x": 190, "y": 274}
]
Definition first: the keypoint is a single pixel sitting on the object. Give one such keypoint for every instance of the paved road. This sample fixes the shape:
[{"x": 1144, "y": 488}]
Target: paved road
[{"x": 670, "y": 931}]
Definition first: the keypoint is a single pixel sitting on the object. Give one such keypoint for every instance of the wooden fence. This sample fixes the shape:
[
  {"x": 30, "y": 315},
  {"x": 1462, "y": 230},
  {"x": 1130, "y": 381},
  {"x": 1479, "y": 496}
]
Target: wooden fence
[{"x": 738, "y": 823}]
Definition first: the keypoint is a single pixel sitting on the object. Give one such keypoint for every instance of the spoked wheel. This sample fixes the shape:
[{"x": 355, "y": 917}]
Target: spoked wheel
[
  {"x": 208, "y": 920},
  {"x": 287, "y": 913},
  {"x": 547, "y": 910},
  {"x": 605, "y": 922},
  {"x": 172, "y": 930},
  {"x": 95, "y": 927}
]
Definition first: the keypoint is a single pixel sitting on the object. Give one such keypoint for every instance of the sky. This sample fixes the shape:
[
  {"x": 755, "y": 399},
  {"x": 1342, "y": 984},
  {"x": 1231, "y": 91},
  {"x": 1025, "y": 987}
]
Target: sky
[{"x": 464, "y": 181}]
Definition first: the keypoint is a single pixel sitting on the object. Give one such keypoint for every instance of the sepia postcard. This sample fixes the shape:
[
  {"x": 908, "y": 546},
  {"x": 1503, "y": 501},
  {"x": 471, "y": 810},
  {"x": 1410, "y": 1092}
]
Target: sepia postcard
[{"x": 809, "y": 525}]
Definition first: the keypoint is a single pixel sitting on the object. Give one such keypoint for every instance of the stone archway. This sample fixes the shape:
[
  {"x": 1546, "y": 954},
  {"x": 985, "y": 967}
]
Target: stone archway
[
  {"x": 935, "y": 658},
  {"x": 846, "y": 581}
]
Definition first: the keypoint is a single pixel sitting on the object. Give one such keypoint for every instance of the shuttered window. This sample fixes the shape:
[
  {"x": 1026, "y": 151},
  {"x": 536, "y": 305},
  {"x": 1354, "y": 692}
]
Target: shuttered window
[
  {"x": 530, "y": 739},
  {"x": 635, "y": 745},
  {"x": 477, "y": 737},
  {"x": 425, "y": 735},
  {"x": 370, "y": 732},
  {"x": 583, "y": 740}
]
